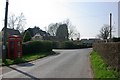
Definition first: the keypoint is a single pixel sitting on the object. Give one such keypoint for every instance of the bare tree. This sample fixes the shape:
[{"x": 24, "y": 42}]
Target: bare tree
[
  {"x": 71, "y": 28},
  {"x": 17, "y": 22},
  {"x": 52, "y": 28},
  {"x": 104, "y": 32},
  {"x": 21, "y": 22},
  {"x": 12, "y": 20}
]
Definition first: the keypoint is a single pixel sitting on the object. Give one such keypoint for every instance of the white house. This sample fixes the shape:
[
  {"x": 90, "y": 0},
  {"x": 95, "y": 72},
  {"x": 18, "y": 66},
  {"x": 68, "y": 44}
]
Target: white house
[{"x": 37, "y": 37}]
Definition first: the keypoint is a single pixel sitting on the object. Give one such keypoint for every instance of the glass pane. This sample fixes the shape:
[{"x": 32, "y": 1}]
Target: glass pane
[
  {"x": 11, "y": 48},
  {"x": 18, "y": 49}
]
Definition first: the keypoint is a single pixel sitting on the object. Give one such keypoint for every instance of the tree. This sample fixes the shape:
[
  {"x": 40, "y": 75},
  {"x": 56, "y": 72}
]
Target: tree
[
  {"x": 62, "y": 32},
  {"x": 12, "y": 20},
  {"x": 104, "y": 32},
  {"x": 17, "y": 22},
  {"x": 27, "y": 37},
  {"x": 71, "y": 28},
  {"x": 21, "y": 22},
  {"x": 52, "y": 28}
]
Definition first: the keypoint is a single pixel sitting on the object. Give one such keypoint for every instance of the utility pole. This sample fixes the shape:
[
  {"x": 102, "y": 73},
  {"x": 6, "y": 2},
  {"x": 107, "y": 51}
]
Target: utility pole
[
  {"x": 110, "y": 26},
  {"x": 4, "y": 46}
]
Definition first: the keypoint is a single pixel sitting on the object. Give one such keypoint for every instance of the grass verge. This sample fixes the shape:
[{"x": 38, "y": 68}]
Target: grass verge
[
  {"x": 27, "y": 58},
  {"x": 100, "y": 68}
]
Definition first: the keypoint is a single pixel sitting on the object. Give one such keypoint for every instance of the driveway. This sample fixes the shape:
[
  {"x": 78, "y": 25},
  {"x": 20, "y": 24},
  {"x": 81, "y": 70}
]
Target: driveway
[{"x": 68, "y": 64}]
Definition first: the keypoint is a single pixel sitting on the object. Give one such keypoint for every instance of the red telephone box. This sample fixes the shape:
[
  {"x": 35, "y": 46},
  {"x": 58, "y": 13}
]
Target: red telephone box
[{"x": 14, "y": 47}]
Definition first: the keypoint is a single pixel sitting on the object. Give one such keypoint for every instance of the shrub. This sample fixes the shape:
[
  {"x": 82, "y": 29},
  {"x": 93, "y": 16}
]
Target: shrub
[
  {"x": 68, "y": 45},
  {"x": 115, "y": 39},
  {"x": 27, "y": 36},
  {"x": 110, "y": 52},
  {"x": 55, "y": 44},
  {"x": 36, "y": 47}
]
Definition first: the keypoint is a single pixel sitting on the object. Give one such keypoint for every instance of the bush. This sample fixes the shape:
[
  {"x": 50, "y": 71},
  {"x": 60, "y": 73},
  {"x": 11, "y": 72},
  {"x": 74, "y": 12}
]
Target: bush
[
  {"x": 68, "y": 45},
  {"x": 55, "y": 45},
  {"x": 27, "y": 37},
  {"x": 110, "y": 52},
  {"x": 115, "y": 39},
  {"x": 36, "y": 47},
  {"x": 100, "y": 68}
]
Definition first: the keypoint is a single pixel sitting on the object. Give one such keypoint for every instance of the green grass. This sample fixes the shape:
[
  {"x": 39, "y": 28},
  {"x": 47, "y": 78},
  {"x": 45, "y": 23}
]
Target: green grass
[
  {"x": 27, "y": 58},
  {"x": 100, "y": 68}
]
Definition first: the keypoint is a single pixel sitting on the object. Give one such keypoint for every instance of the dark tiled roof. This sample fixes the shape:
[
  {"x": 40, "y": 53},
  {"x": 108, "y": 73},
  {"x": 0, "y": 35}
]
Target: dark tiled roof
[
  {"x": 12, "y": 32},
  {"x": 37, "y": 30}
]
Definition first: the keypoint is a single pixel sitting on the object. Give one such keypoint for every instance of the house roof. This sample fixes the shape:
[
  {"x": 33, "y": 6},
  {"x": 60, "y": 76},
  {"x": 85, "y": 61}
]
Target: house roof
[
  {"x": 37, "y": 30},
  {"x": 12, "y": 32},
  {"x": 37, "y": 34}
]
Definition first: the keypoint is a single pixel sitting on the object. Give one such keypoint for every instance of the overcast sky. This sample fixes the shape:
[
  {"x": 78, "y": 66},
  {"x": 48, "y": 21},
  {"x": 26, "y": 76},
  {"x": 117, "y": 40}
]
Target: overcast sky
[{"x": 87, "y": 15}]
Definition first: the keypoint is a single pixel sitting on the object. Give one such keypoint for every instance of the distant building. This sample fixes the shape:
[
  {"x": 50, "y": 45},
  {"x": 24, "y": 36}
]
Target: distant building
[
  {"x": 37, "y": 37},
  {"x": 89, "y": 42},
  {"x": 82, "y": 41},
  {"x": 36, "y": 32},
  {"x": 119, "y": 19}
]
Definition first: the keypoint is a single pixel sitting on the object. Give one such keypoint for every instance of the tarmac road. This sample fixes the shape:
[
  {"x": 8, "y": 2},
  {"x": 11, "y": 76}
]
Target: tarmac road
[{"x": 68, "y": 64}]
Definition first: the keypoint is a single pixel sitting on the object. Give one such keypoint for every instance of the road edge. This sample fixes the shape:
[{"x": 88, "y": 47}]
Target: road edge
[{"x": 92, "y": 72}]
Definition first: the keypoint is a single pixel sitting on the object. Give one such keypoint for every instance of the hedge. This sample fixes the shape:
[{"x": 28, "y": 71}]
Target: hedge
[
  {"x": 36, "y": 47},
  {"x": 55, "y": 44},
  {"x": 110, "y": 52},
  {"x": 115, "y": 39},
  {"x": 69, "y": 45}
]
